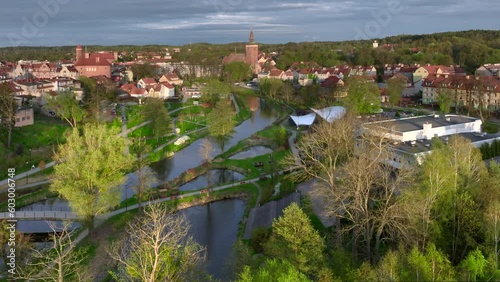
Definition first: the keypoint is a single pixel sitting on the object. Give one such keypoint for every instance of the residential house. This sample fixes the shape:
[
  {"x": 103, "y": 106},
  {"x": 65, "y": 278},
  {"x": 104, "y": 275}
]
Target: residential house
[
  {"x": 167, "y": 90},
  {"x": 171, "y": 78},
  {"x": 24, "y": 117},
  {"x": 488, "y": 70},
  {"x": 146, "y": 83},
  {"x": 276, "y": 74},
  {"x": 424, "y": 71},
  {"x": 464, "y": 90},
  {"x": 363, "y": 71}
]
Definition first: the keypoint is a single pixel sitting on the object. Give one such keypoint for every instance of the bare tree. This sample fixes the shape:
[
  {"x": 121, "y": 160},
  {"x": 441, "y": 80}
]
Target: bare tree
[
  {"x": 157, "y": 248},
  {"x": 205, "y": 150},
  {"x": 357, "y": 186},
  {"x": 60, "y": 262},
  {"x": 145, "y": 176},
  {"x": 323, "y": 152}
]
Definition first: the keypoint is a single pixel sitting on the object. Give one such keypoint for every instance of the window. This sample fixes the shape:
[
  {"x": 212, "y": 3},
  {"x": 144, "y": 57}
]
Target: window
[
  {"x": 18, "y": 119},
  {"x": 28, "y": 117},
  {"x": 23, "y": 118}
]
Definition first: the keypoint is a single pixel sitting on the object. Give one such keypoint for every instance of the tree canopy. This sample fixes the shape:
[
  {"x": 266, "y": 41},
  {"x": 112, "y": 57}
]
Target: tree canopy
[{"x": 91, "y": 167}]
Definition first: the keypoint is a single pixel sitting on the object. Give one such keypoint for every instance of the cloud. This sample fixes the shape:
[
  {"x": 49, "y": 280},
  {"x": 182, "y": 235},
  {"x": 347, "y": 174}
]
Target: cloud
[{"x": 219, "y": 21}]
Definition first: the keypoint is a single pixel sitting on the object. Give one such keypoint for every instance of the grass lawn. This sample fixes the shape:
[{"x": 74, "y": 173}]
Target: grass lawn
[
  {"x": 191, "y": 111},
  {"x": 134, "y": 115},
  {"x": 268, "y": 132},
  {"x": 27, "y": 197},
  {"x": 42, "y": 138},
  {"x": 252, "y": 171}
]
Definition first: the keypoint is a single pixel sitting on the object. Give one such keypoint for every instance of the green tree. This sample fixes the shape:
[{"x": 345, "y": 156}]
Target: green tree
[
  {"x": 221, "y": 123},
  {"x": 7, "y": 110},
  {"x": 236, "y": 71},
  {"x": 213, "y": 91},
  {"x": 157, "y": 248},
  {"x": 363, "y": 97},
  {"x": 156, "y": 112},
  {"x": 141, "y": 71},
  {"x": 473, "y": 266},
  {"x": 91, "y": 167},
  {"x": 444, "y": 100},
  {"x": 294, "y": 239},
  {"x": 67, "y": 107},
  {"x": 270, "y": 87},
  {"x": 395, "y": 87},
  {"x": 273, "y": 270},
  {"x": 280, "y": 136},
  {"x": 432, "y": 265}
]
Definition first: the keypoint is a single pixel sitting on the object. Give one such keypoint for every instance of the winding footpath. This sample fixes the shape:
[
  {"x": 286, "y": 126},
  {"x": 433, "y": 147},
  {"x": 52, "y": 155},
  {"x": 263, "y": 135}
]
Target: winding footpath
[
  {"x": 62, "y": 215},
  {"x": 124, "y": 133}
]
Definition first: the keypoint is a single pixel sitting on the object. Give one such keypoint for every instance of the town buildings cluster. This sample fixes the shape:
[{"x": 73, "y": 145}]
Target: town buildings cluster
[{"x": 36, "y": 79}]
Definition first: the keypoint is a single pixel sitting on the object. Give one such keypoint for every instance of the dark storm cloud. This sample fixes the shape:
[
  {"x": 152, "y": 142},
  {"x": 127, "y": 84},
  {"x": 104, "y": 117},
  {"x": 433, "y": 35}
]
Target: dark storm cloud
[{"x": 70, "y": 22}]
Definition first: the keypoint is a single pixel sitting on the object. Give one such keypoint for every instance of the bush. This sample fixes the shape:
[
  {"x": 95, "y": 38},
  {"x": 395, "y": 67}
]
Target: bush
[
  {"x": 490, "y": 127},
  {"x": 259, "y": 238}
]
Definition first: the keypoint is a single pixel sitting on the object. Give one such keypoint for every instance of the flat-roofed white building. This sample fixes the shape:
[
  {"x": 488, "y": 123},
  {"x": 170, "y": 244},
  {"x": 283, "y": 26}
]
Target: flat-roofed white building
[{"x": 411, "y": 138}]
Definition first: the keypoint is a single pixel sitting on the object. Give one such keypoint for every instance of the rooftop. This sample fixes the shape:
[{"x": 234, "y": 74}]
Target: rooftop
[
  {"x": 417, "y": 123},
  {"x": 421, "y": 146}
]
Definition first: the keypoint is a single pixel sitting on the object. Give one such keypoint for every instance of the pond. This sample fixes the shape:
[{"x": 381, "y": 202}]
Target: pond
[
  {"x": 217, "y": 177},
  {"x": 251, "y": 153}
]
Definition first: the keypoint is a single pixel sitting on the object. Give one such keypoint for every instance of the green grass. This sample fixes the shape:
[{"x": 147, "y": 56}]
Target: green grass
[
  {"x": 252, "y": 171},
  {"x": 490, "y": 127},
  {"x": 134, "y": 115},
  {"x": 44, "y": 132},
  {"x": 42, "y": 138},
  {"x": 27, "y": 199},
  {"x": 268, "y": 132}
]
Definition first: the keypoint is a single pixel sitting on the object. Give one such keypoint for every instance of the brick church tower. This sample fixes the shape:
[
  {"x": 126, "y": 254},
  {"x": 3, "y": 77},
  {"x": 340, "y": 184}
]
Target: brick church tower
[
  {"x": 79, "y": 52},
  {"x": 252, "y": 53}
]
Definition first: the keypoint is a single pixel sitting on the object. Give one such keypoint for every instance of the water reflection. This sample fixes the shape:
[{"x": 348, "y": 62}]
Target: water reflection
[{"x": 216, "y": 227}]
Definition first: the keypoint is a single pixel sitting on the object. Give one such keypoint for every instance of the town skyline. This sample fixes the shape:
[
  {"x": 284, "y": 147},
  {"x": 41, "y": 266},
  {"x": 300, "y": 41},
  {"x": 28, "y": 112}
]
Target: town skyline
[{"x": 58, "y": 22}]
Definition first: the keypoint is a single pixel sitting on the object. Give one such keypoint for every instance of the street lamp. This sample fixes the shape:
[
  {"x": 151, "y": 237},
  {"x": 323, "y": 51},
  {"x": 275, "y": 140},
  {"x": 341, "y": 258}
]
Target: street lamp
[{"x": 28, "y": 172}]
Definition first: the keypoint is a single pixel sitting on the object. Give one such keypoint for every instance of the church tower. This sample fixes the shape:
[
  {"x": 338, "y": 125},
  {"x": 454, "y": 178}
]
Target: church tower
[
  {"x": 79, "y": 52},
  {"x": 252, "y": 53}
]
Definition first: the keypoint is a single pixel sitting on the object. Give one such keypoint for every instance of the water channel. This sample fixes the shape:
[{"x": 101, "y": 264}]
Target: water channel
[{"x": 215, "y": 225}]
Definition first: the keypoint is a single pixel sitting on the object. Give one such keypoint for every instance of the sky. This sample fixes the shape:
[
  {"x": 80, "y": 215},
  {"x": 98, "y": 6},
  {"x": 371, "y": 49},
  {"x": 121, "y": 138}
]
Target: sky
[{"x": 166, "y": 22}]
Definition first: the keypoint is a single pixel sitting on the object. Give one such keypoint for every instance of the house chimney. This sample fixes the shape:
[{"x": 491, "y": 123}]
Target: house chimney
[
  {"x": 467, "y": 77},
  {"x": 87, "y": 55}
]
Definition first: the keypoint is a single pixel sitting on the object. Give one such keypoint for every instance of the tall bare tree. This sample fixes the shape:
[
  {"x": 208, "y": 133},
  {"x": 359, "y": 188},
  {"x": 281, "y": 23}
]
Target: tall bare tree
[
  {"x": 7, "y": 110},
  {"x": 357, "y": 186},
  {"x": 157, "y": 247},
  {"x": 60, "y": 262}
]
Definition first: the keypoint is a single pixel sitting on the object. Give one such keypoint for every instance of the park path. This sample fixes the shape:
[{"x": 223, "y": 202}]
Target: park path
[{"x": 63, "y": 215}]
